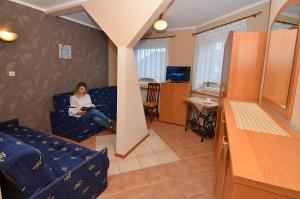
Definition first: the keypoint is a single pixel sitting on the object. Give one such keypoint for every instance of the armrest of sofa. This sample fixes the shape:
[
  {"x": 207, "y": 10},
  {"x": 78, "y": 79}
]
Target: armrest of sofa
[
  {"x": 85, "y": 181},
  {"x": 24, "y": 165},
  {"x": 9, "y": 125}
]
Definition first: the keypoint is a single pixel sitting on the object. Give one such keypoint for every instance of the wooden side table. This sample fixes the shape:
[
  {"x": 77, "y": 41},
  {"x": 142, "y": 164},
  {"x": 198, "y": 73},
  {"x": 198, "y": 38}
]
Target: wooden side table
[{"x": 202, "y": 124}]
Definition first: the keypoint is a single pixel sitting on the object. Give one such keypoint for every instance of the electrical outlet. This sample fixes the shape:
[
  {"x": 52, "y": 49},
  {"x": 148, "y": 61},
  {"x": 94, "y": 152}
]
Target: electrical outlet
[{"x": 11, "y": 73}]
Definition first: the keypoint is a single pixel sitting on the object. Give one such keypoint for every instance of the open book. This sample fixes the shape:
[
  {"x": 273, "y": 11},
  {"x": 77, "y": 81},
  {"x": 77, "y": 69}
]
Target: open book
[{"x": 87, "y": 109}]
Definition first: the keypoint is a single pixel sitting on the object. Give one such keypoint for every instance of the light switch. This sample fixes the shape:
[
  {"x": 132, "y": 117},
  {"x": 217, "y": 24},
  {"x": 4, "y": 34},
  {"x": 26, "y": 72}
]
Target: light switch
[{"x": 12, "y": 73}]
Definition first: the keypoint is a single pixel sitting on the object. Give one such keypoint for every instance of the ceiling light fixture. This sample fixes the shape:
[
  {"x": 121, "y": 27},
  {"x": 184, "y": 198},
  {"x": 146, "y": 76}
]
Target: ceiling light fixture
[
  {"x": 8, "y": 36},
  {"x": 160, "y": 24}
]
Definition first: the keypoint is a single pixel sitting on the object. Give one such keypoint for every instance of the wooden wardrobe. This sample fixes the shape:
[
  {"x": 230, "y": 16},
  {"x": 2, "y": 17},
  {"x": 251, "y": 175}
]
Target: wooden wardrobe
[
  {"x": 243, "y": 65},
  {"x": 241, "y": 80},
  {"x": 173, "y": 107}
]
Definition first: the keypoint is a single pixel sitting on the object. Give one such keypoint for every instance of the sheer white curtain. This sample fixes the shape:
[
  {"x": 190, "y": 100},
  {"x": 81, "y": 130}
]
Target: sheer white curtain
[
  {"x": 151, "y": 57},
  {"x": 208, "y": 59},
  {"x": 281, "y": 26}
]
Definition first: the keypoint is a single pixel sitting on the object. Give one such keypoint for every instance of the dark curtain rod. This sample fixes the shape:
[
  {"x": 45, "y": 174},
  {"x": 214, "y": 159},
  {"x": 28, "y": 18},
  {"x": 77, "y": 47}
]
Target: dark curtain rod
[
  {"x": 253, "y": 15},
  {"x": 287, "y": 23},
  {"x": 171, "y": 36}
]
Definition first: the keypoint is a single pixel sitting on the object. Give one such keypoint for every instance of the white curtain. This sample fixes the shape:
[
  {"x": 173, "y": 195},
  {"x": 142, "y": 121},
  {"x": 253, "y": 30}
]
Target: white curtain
[
  {"x": 208, "y": 59},
  {"x": 282, "y": 26},
  {"x": 151, "y": 57}
]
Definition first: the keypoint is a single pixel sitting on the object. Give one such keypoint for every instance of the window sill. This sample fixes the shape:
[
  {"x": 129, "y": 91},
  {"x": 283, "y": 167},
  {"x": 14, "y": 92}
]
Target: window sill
[{"x": 203, "y": 92}]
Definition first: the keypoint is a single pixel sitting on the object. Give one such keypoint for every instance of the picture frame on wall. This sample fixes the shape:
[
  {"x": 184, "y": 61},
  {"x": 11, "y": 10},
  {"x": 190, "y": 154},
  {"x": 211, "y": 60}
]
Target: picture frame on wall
[{"x": 65, "y": 51}]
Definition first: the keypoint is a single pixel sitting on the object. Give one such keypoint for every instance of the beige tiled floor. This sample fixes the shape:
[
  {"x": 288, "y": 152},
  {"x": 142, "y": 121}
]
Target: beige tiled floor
[
  {"x": 153, "y": 151},
  {"x": 191, "y": 177}
]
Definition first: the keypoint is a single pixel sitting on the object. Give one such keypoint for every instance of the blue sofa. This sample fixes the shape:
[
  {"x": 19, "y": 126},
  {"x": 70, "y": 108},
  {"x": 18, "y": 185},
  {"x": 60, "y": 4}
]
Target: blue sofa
[
  {"x": 37, "y": 166},
  {"x": 78, "y": 129}
]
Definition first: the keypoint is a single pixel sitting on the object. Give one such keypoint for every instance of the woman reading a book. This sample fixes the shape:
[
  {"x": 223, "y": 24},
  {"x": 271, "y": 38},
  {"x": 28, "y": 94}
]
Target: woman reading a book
[{"x": 81, "y": 106}]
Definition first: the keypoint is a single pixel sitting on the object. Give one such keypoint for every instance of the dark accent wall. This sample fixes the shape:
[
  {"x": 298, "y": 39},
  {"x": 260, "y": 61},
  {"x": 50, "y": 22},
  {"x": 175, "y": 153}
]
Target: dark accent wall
[{"x": 39, "y": 72}]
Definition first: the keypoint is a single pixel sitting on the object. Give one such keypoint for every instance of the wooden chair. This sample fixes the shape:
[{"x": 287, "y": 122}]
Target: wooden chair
[{"x": 152, "y": 98}]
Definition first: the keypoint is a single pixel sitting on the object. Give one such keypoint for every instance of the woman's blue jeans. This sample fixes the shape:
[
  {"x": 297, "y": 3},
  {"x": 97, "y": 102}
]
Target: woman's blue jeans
[{"x": 97, "y": 117}]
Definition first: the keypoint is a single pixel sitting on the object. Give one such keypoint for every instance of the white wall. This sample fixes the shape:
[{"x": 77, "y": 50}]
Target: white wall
[{"x": 118, "y": 19}]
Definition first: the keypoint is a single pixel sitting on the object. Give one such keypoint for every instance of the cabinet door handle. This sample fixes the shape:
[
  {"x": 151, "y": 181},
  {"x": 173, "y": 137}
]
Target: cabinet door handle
[
  {"x": 222, "y": 92},
  {"x": 225, "y": 149},
  {"x": 224, "y": 142}
]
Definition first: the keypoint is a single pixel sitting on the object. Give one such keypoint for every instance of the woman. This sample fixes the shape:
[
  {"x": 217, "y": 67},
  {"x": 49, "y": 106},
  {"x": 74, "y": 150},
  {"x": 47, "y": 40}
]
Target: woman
[{"x": 81, "y": 106}]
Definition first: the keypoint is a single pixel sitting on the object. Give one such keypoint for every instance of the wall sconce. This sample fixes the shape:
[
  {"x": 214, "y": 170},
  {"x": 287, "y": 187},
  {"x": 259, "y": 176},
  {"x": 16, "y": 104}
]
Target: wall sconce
[{"x": 8, "y": 36}]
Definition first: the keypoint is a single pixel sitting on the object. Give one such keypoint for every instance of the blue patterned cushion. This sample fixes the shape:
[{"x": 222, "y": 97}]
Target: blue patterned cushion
[
  {"x": 61, "y": 156},
  {"x": 86, "y": 181},
  {"x": 24, "y": 164},
  {"x": 62, "y": 102},
  {"x": 73, "y": 128},
  {"x": 107, "y": 99}
]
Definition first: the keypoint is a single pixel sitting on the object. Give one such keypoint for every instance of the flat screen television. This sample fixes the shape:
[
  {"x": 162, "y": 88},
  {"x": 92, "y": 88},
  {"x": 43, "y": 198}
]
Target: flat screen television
[{"x": 178, "y": 73}]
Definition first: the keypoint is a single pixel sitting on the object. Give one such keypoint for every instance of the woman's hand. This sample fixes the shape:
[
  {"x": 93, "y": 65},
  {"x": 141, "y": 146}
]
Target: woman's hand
[{"x": 81, "y": 113}]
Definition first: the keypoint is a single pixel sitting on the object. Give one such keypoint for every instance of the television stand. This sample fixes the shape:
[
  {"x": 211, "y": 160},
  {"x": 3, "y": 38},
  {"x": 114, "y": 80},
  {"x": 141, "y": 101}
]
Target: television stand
[{"x": 173, "y": 108}]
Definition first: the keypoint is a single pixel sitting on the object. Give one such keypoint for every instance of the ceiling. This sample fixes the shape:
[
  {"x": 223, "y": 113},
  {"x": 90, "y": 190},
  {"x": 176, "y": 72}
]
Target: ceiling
[
  {"x": 46, "y": 4},
  {"x": 181, "y": 14}
]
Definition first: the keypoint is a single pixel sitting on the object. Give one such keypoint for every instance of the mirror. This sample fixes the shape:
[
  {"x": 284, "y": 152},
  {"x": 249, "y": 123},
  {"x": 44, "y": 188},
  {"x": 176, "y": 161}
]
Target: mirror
[{"x": 281, "y": 57}]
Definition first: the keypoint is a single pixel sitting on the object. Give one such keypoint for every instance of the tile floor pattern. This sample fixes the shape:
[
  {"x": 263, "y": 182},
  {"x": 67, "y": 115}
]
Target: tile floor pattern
[
  {"x": 151, "y": 152},
  {"x": 191, "y": 177}
]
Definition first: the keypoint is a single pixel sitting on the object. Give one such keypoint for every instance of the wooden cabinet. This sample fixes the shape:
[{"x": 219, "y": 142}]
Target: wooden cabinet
[
  {"x": 166, "y": 107},
  {"x": 243, "y": 65},
  {"x": 241, "y": 79},
  {"x": 222, "y": 158},
  {"x": 173, "y": 107},
  {"x": 254, "y": 165}
]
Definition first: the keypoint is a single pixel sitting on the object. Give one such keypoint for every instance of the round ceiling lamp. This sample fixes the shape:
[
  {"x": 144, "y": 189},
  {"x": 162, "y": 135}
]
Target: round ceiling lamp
[
  {"x": 8, "y": 36},
  {"x": 160, "y": 24}
]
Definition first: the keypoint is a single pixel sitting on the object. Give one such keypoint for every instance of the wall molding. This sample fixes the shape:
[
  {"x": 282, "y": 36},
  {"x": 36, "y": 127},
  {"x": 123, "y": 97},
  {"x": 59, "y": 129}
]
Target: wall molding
[
  {"x": 80, "y": 22},
  {"x": 28, "y": 5},
  {"x": 75, "y": 2},
  {"x": 233, "y": 13},
  {"x": 50, "y": 8}
]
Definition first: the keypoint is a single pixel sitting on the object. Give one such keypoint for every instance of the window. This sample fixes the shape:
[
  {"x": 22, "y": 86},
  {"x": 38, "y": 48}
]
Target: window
[
  {"x": 151, "y": 57},
  {"x": 208, "y": 59}
]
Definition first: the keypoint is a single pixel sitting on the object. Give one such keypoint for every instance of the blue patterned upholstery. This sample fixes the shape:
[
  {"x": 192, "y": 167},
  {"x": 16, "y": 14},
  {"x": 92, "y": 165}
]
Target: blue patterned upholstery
[
  {"x": 19, "y": 159},
  {"x": 9, "y": 125},
  {"x": 78, "y": 129},
  {"x": 76, "y": 171}
]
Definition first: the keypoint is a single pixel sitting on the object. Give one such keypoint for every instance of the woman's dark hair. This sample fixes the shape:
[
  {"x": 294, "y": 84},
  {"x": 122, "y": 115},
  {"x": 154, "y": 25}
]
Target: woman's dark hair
[{"x": 80, "y": 84}]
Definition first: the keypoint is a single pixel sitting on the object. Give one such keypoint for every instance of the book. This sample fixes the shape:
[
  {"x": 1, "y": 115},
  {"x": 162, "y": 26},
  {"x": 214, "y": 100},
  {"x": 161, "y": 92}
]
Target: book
[{"x": 86, "y": 109}]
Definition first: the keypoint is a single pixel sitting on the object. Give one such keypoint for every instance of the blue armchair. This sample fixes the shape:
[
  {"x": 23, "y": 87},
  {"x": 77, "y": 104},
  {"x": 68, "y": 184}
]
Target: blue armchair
[{"x": 78, "y": 129}]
